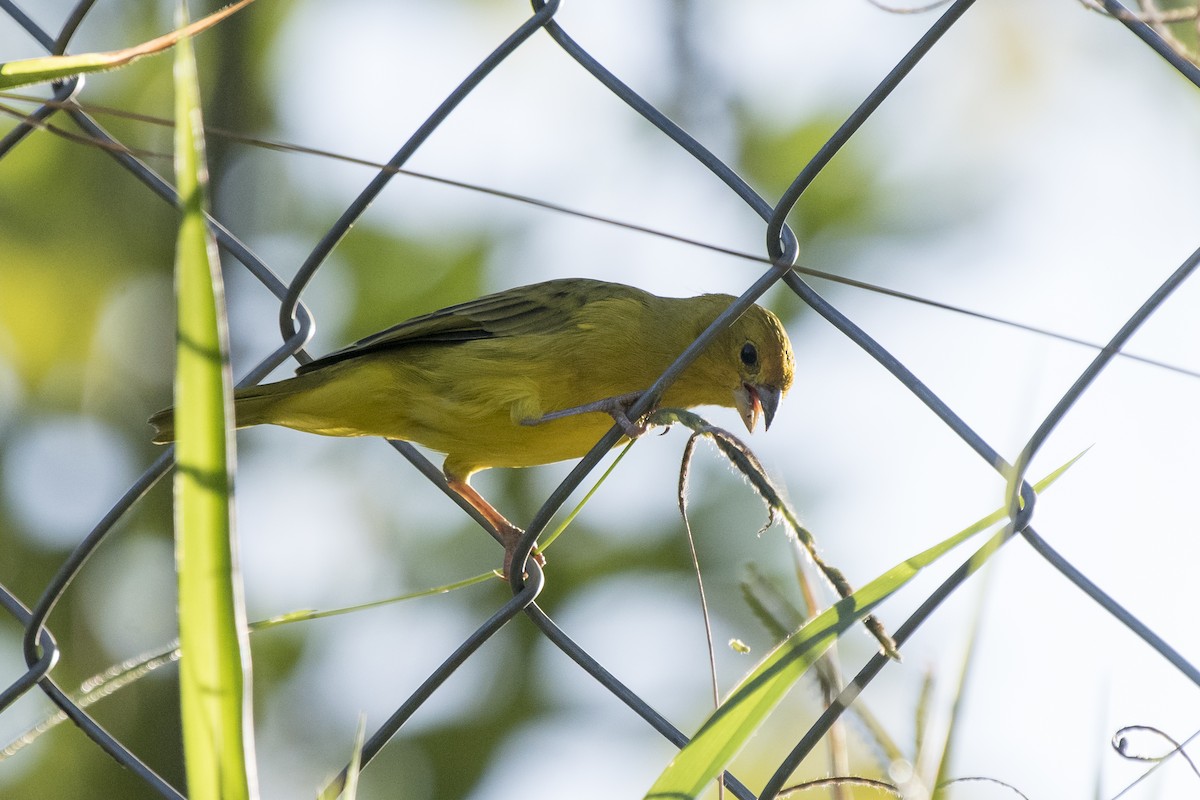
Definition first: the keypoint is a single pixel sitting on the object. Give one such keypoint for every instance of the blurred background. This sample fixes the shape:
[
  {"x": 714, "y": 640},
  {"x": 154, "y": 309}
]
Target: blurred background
[{"x": 1040, "y": 165}]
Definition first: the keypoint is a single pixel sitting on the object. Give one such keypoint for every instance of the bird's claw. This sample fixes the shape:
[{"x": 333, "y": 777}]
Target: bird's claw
[
  {"x": 616, "y": 407},
  {"x": 631, "y": 429},
  {"x": 510, "y": 547}
]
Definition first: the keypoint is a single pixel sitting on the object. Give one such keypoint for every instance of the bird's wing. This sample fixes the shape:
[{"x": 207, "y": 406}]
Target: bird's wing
[{"x": 540, "y": 308}]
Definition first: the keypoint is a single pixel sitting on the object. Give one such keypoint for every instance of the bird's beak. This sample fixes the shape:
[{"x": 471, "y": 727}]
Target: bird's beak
[{"x": 753, "y": 399}]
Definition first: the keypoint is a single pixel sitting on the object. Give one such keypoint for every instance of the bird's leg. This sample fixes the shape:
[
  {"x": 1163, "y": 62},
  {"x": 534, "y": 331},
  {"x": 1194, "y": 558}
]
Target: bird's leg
[
  {"x": 508, "y": 534},
  {"x": 616, "y": 407}
]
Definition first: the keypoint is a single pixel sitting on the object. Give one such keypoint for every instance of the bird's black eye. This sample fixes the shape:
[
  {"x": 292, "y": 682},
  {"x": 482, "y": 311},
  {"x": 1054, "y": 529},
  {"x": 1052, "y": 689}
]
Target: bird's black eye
[{"x": 749, "y": 355}]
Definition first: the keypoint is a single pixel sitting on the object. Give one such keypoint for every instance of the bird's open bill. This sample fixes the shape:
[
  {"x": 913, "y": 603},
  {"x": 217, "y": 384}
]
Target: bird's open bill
[{"x": 754, "y": 399}]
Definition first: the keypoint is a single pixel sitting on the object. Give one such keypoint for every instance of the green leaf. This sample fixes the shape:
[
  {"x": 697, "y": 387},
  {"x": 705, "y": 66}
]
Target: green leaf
[
  {"x": 28, "y": 71},
  {"x": 350, "y": 789},
  {"x": 730, "y": 726},
  {"x": 212, "y": 625}
]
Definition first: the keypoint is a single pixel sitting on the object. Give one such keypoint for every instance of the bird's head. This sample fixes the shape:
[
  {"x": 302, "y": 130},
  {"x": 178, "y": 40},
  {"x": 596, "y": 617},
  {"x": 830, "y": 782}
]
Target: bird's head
[
  {"x": 748, "y": 366},
  {"x": 759, "y": 346}
]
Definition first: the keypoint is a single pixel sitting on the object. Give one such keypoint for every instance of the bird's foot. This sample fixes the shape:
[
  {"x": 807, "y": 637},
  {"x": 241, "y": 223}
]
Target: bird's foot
[
  {"x": 506, "y": 533},
  {"x": 509, "y": 537},
  {"x": 616, "y": 407}
]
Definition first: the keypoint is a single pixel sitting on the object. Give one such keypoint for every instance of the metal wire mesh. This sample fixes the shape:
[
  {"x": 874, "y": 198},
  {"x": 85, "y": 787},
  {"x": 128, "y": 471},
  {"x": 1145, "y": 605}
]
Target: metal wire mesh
[{"x": 780, "y": 267}]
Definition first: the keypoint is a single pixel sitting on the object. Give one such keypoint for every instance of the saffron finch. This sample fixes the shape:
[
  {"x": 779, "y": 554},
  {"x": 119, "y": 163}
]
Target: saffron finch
[{"x": 526, "y": 376}]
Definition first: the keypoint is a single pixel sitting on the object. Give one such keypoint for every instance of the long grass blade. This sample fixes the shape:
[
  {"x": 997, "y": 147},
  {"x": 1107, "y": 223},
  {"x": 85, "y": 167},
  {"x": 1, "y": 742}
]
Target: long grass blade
[{"x": 214, "y": 668}]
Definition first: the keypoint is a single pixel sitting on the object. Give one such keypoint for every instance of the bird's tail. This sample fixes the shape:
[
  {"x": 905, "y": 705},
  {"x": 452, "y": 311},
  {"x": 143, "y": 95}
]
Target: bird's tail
[{"x": 253, "y": 405}]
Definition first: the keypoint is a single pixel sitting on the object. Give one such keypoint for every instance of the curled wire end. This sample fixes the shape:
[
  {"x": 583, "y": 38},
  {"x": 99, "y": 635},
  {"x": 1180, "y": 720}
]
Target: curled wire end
[{"x": 1123, "y": 744}]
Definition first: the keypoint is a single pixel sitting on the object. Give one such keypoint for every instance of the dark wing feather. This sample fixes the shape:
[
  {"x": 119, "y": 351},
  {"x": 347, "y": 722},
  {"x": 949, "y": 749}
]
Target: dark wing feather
[{"x": 539, "y": 308}]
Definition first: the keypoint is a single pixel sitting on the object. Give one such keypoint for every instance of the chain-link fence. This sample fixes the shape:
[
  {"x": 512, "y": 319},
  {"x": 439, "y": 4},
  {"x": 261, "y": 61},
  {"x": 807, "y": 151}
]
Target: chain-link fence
[{"x": 34, "y": 587}]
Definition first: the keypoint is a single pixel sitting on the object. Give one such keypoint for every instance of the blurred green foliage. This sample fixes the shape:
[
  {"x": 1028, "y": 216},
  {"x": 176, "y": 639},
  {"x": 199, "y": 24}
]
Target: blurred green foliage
[
  {"x": 843, "y": 198},
  {"x": 396, "y": 278}
]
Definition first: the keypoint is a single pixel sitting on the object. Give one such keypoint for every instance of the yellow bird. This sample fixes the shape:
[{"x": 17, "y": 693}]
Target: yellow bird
[{"x": 526, "y": 376}]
